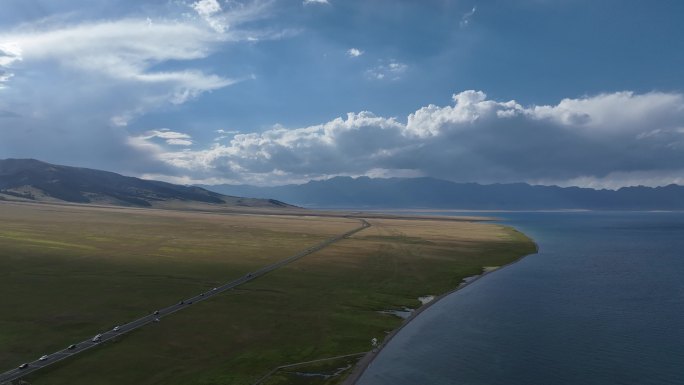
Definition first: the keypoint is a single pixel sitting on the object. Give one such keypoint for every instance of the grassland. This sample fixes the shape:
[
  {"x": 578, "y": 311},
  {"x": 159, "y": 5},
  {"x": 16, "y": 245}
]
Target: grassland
[{"x": 69, "y": 272}]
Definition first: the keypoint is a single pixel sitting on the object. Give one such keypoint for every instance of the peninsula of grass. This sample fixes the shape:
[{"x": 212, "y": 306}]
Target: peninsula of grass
[{"x": 67, "y": 273}]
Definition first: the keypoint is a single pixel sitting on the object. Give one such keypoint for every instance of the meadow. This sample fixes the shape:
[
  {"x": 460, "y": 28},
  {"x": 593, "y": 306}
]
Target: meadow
[{"x": 67, "y": 272}]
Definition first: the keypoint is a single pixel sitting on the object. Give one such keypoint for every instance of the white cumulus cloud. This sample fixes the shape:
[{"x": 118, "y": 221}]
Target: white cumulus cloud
[
  {"x": 354, "y": 52},
  {"x": 607, "y": 139}
]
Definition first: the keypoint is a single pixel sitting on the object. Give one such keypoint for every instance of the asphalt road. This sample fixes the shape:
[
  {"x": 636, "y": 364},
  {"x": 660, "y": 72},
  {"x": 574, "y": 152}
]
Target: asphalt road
[{"x": 105, "y": 336}]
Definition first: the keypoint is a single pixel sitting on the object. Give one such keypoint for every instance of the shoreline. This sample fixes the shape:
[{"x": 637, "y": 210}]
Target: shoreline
[{"x": 363, "y": 364}]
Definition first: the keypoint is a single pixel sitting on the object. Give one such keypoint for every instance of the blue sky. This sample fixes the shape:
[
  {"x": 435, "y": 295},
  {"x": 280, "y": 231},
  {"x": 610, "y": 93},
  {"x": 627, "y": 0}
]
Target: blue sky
[{"x": 569, "y": 92}]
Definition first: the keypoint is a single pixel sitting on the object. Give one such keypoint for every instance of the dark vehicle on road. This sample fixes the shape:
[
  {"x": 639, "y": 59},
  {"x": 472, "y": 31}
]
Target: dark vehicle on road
[
  {"x": 23, "y": 366},
  {"x": 72, "y": 347}
]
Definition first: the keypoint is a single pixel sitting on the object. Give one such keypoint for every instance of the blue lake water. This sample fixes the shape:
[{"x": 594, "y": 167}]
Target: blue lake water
[{"x": 602, "y": 303}]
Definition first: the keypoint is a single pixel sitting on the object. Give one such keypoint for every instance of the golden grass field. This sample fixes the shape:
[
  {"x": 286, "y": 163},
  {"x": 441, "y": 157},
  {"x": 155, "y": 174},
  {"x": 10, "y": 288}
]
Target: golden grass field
[{"x": 67, "y": 272}]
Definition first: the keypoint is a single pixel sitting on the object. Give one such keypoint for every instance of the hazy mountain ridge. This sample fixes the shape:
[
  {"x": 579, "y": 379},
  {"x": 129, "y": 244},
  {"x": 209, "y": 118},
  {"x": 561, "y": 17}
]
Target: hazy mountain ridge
[
  {"x": 364, "y": 192},
  {"x": 31, "y": 179}
]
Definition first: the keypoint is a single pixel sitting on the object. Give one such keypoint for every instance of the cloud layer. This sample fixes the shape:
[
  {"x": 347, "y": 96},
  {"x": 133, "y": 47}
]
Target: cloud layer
[
  {"x": 69, "y": 89},
  {"x": 121, "y": 54},
  {"x": 79, "y": 89},
  {"x": 603, "y": 141}
]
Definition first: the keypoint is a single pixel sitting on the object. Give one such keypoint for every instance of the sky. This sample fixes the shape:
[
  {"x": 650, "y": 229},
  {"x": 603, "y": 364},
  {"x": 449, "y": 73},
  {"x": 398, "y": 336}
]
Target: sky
[{"x": 269, "y": 92}]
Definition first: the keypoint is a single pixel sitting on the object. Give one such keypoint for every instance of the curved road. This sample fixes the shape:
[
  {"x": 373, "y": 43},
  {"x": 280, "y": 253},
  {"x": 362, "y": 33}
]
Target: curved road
[{"x": 82, "y": 346}]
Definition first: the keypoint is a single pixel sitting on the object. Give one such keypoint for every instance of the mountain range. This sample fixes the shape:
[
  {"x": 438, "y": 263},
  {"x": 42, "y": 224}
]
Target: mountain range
[
  {"x": 430, "y": 193},
  {"x": 33, "y": 180}
]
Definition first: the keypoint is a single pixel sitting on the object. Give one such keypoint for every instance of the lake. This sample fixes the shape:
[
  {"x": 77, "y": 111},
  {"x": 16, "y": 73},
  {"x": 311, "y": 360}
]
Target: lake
[{"x": 602, "y": 303}]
